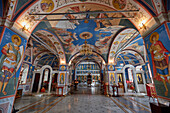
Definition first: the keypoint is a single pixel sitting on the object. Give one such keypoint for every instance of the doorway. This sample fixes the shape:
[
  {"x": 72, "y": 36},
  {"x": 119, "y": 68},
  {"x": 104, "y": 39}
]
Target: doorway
[
  {"x": 129, "y": 80},
  {"x": 45, "y": 80},
  {"x": 36, "y": 82}
]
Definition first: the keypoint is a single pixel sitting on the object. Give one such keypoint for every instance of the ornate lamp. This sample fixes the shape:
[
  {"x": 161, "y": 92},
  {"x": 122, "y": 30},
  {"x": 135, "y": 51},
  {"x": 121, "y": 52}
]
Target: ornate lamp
[{"x": 86, "y": 49}]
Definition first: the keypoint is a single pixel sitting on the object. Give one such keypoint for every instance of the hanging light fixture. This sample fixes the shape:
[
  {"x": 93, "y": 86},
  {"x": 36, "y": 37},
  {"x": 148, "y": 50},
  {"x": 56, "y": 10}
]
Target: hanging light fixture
[{"x": 86, "y": 49}]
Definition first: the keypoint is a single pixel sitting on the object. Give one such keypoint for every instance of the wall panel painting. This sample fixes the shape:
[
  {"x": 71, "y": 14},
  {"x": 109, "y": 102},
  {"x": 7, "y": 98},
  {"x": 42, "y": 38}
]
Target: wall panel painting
[
  {"x": 158, "y": 49},
  {"x": 62, "y": 78},
  {"x": 12, "y": 49},
  {"x": 111, "y": 78}
]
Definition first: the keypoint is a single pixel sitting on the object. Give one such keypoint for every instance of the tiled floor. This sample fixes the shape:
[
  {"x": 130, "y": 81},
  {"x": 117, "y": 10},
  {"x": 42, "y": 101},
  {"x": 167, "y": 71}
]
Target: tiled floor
[{"x": 85, "y": 100}]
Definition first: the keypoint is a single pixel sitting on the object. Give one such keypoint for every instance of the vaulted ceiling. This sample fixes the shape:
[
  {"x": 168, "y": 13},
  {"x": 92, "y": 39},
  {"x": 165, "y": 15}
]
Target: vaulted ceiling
[{"x": 59, "y": 42}]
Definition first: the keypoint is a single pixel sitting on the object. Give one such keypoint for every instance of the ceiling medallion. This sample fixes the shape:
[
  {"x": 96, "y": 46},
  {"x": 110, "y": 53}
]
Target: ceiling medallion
[
  {"x": 88, "y": 35},
  {"x": 47, "y": 5}
]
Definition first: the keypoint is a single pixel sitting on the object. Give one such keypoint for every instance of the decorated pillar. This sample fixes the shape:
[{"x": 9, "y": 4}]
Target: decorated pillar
[
  {"x": 111, "y": 77},
  {"x": 62, "y": 78},
  {"x": 106, "y": 79},
  {"x": 12, "y": 49}
]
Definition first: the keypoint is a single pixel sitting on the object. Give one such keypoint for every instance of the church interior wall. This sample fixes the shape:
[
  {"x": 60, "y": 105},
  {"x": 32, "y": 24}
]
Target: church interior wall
[
  {"x": 163, "y": 38},
  {"x": 12, "y": 15}
]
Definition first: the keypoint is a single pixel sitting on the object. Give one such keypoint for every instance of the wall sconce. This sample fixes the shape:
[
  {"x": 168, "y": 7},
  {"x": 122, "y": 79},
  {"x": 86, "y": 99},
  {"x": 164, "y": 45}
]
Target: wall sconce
[
  {"x": 25, "y": 26},
  {"x": 142, "y": 26}
]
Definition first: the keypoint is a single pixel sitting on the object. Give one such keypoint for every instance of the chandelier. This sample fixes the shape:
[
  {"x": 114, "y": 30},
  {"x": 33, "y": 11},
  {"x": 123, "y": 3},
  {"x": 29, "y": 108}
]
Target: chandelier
[{"x": 86, "y": 49}]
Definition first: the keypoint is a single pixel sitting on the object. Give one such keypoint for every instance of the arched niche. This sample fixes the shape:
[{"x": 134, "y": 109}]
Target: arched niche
[
  {"x": 122, "y": 73},
  {"x": 41, "y": 77},
  {"x": 136, "y": 74},
  {"x": 141, "y": 80},
  {"x": 133, "y": 75},
  {"x": 40, "y": 73}
]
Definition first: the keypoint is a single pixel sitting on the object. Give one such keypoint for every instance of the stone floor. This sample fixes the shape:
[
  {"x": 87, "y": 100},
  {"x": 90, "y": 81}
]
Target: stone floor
[{"x": 84, "y": 100}]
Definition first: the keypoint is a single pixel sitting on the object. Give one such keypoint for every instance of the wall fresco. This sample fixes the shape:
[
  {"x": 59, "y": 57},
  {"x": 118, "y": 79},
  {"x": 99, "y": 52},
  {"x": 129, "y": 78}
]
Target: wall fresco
[
  {"x": 1, "y": 28},
  {"x": 168, "y": 25},
  {"x": 157, "y": 44},
  {"x": 12, "y": 51},
  {"x": 1, "y": 9},
  {"x": 111, "y": 78},
  {"x": 11, "y": 9}
]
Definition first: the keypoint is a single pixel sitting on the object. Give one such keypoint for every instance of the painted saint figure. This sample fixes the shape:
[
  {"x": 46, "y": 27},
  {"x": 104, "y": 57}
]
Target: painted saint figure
[
  {"x": 62, "y": 78},
  {"x": 9, "y": 61},
  {"x": 160, "y": 60}
]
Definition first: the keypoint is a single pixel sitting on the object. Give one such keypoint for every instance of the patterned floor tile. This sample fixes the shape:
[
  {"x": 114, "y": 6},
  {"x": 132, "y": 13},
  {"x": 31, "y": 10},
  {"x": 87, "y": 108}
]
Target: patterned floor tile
[{"x": 84, "y": 100}]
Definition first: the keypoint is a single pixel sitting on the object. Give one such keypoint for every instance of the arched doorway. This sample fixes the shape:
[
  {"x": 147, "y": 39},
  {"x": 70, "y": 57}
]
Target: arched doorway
[
  {"x": 131, "y": 76},
  {"x": 44, "y": 78}
]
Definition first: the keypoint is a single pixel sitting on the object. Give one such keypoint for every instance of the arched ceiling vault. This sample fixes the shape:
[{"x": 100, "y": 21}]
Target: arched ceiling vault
[
  {"x": 46, "y": 58},
  {"x": 64, "y": 39},
  {"x": 77, "y": 58},
  {"x": 88, "y": 61}
]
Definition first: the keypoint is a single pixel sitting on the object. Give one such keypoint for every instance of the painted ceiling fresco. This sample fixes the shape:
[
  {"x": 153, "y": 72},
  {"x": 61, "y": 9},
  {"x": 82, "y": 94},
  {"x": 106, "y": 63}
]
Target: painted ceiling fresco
[
  {"x": 108, "y": 38},
  {"x": 99, "y": 33},
  {"x": 122, "y": 40},
  {"x": 137, "y": 45},
  {"x": 48, "y": 59},
  {"x": 40, "y": 54},
  {"x": 129, "y": 57},
  {"x": 92, "y": 57},
  {"x": 133, "y": 53}
]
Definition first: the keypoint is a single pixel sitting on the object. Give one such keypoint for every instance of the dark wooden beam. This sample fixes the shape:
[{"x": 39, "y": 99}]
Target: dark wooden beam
[
  {"x": 109, "y": 18},
  {"x": 84, "y": 12}
]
